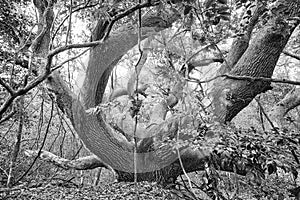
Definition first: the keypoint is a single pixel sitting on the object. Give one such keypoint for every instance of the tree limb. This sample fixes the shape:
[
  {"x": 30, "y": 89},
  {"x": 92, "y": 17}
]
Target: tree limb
[
  {"x": 122, "y": 91},
  {"x": 83, "y": 163},
  {"x": 259, "y": 60},
  {"x": 248, "y": 78},
  {"x": 289, "y": 102},
  {"x": 252, "y": 79},
  {"x": 7, "y": 87}
]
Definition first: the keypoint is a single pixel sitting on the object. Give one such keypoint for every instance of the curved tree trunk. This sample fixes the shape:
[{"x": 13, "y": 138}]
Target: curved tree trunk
[
  {"x": 113, "y": 148},
  {"x": 258, "y": 59}
]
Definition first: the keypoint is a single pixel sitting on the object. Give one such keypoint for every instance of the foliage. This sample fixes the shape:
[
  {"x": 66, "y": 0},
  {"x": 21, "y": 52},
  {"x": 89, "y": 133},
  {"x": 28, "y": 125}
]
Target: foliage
[
  {"x": 14, "y": 22},
  {"x": 270, "y": 159}
]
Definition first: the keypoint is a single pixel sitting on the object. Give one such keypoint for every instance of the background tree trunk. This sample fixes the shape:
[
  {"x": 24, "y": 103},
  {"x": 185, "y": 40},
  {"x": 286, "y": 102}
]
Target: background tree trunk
[
  {"x": 289, "y": 102},
  {"x": 259, "y": 60}
]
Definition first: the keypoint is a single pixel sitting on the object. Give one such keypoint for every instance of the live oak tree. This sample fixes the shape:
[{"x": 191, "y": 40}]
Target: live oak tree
[{"x": 245, "y": 72}]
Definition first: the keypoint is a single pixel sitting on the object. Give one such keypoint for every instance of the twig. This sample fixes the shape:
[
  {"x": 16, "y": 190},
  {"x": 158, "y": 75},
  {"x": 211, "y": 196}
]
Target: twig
[
  {"x": 126, "y": 13},
  {"x": 45, "y": 75},
  {"x": 137, "y": 100},
  {"x": 7, "y": 117},
  {"x": 42, "y": 146},
  {"x": 8, "y": 130},
  {"x": 40, "y": 124},
  {"x": 5, "y": 173},
  {"x": 291, "y": 55},
  {"x": 73, "y": 11},
  {"x": 73, "y": 46},
  {"x": 2, "y": 190},
  {"x": 69, "y": 32},
  {"x": 7, "y": 87},
  {"x": 17, "y": 145},
  {"x": 247, "y": 78},
  {"x": 196, "y": 53},
  {"x": 267, "y": 117},
  {"x": 68, "y": 60},
  {"x": 182, "y": 167},
  {"x": 276, "y": 130}
]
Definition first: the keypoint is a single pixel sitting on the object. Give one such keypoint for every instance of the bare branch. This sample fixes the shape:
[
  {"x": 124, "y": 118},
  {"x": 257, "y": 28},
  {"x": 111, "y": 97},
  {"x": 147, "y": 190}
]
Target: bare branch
[
  {"x": 7, "y": 117},
  {"x": 131, "y": 85},
  {"x": 126, "y": 13},
  {"x": 73, "y": 11},
  {"x": 7, "y": 87},
  {"x": 23, "y": 91},
  {"x": 68, "y": 60},
  {"x": 73, "y": 46},
  {"x": 41, "y": 147},
  {"x": 248, "y": 78}
]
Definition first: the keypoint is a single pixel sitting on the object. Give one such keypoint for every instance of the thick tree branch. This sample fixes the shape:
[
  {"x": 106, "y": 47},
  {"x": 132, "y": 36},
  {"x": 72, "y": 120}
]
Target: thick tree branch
[
  {"x": 241, "y": 43},
  {"x": 289, "y": 102},
  {"x": 122, "y": 91},
  {"x": 40, "y": 44},
  {"x": 83, "y": 163},
  {"x": 192, "y": 161},
  {"x": 259, "y": 60}
]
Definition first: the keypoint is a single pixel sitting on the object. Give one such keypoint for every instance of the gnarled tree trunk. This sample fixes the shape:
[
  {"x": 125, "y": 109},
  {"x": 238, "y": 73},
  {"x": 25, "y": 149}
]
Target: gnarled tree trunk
[{"x": 256, "y": 57}]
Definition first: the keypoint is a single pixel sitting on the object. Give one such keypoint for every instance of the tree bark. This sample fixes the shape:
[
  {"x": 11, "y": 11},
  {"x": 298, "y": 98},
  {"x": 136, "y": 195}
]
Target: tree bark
[
  {"x": 156, "y": 163},
  {"x": 259, "y": 60},
  {"x": 96, "y": 134},
  {"x": 289, "y": 102},
  {"x": 84, "y": 163}
]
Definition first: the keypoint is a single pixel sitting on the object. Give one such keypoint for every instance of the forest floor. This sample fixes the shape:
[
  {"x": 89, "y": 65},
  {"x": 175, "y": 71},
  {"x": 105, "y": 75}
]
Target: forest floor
[
  {"x": 119, "y": 191},
  {"x": 69, "y": 189},
  {"x": 112, "y": 191}
]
